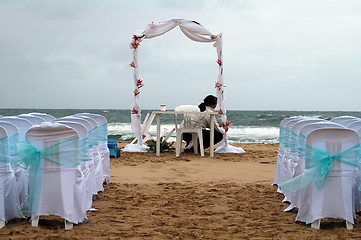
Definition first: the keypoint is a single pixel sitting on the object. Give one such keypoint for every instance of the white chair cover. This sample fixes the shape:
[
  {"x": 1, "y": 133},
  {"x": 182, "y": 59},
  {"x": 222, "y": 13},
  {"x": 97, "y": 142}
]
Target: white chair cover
[
  {"x": 94, "y": 145},
  {"x": 340, "y": 119},
  {"x": 282, "y": 133},
  {"x": 299, "y": 168},
  {"x": 57, "y": 186},
  {"x": 328, "y": 193},
  {"x": 294, "y": 154},
  {"x": 21, "y": 174},
  {"x": 90, "y": 163},
  {"x": 356, "y": 126},
  {"x": 84, "y": 157},
  {"x": 283, "y": 168},
  {"x": 348, "y": 122},
  {"x": 46, "y": 117},
  {"x": 102, "y": 124},
  {"x": 35, "y": 120},
  {"x": 9, "y": 198}
]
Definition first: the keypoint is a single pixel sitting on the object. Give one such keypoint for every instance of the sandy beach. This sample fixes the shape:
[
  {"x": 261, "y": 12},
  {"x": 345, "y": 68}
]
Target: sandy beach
[{"x": 188, "y": 197}]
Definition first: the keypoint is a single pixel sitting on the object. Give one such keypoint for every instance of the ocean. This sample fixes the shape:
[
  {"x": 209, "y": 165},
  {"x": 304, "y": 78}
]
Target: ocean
[{"x": 247, "y": 126}]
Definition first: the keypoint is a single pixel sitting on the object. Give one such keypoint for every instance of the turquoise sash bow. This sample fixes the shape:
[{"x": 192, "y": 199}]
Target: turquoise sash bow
[
  {"x": 4, "y": 150},
  {"x": 103, "y": 132},
  {"x": 93, "y": 137},
  {"x": 84, "y": 149},
  {"x": 318, "y": 166}
]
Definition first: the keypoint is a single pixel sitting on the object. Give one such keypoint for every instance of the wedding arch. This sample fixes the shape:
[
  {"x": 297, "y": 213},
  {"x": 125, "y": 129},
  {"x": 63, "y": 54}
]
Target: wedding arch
[{"x": 196, "y": 32}]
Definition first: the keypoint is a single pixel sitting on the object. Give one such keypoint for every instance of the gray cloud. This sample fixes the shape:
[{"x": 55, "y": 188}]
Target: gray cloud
[{"x": 278, "y": 54}]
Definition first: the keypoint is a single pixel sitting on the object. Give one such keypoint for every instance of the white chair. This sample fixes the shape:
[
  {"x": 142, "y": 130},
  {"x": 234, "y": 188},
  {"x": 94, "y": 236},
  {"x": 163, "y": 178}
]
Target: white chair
[
  {"x": 356, "y": 126},
  {"x": 21, "y": 124},
  {"x": 46, "y": 117},
  {"x": 90, "y": 163},
  {"x": 340, "y": 119},
  {"x": 299, "y": 168},
  {"x": 348, "y": 122},
  {"x": 21, "y": 174},
  {"x": 94, "y": 145},
  {"x": 13, "y": 134},
  {"x": 102, "y": 124},
  {"x": 294, "y": 154},
  {"x": 57, "y": 185},
  {"x": 35, "y": 120},
  {"x": 84, "y": 156},
  {"x": 188, "y": 125},
  {"x": 282, "y": 133},
  {"x": 9, "y": 198},
  {"x": 283, "y": 169},
  {"x": 335, "y": 198}
]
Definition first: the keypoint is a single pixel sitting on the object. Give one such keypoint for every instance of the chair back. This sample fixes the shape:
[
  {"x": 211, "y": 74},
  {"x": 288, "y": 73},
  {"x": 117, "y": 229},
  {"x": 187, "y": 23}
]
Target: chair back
[
  {"x": 80, "y": 128},
  {"x": 82, "y": 121},
  {"x": 13, "y": 136},
  {"x": 4, "y": 148},
  {"x": 187, "y": 118},
  {"x": 21, "y": 124},
  {"x": 46, "y": 117},
  {"x": 35, "y": 120},
  {"x": 10, "y": 128},
  {"x": 307, "y": 129},
  {"x": 348, "y": 122},
  {"x": 355, "y": 125},
  {"x": 340, "y": 119}
]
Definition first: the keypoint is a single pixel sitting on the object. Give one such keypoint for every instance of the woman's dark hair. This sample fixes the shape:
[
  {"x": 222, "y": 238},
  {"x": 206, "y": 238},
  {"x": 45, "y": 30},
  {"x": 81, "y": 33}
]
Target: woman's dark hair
[{"x": 207, "y": 101}]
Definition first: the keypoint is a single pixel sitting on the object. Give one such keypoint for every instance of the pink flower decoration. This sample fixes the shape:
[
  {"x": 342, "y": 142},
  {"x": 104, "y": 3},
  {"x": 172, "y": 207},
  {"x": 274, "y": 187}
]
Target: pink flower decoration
[
  {"x": 213, "y": 37},
  {"x": 220, "y": 111},
  {"x": 132, "y": 64},
  {"x": 228, "y": 123},
  {"x": 140, "y": 83},
  {"x": 219, "y": 61},
  {"x": 218, "y": 85},
  {"x": 135, "y": 44},
  {"x": 135, "y": 38},
  {"x": 134, "y": 111}
]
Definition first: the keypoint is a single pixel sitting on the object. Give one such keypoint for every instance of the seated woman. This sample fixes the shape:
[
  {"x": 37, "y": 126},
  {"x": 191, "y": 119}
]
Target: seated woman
[{"x": 208, "y": 105}]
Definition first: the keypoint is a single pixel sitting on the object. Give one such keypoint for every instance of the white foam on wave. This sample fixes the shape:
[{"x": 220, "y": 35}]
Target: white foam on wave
[
  {"x": 236, "y": 134},
  {"x": 248, "y": 134}
]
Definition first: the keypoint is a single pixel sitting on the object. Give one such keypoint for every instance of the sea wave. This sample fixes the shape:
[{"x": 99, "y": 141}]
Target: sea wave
[{"x": 236, "y": 134}]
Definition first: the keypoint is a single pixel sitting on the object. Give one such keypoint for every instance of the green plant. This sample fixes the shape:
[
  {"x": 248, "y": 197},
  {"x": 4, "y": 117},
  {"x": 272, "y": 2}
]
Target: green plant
[{"x": 164, "y": 146}]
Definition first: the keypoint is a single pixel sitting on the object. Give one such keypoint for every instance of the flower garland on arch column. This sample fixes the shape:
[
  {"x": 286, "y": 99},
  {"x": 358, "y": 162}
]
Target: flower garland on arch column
[
  {"x": 136, "y": 111},
  {"x": 195, "y": 32},
  {"x": 219, "y": 86}
]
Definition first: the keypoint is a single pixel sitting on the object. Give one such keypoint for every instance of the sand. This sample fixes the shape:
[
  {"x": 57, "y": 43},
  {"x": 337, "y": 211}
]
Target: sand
[{"x": 188, "y": 197}]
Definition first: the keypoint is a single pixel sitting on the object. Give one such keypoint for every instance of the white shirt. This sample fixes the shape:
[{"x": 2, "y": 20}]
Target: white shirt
[{"x": 204, "y": 120}]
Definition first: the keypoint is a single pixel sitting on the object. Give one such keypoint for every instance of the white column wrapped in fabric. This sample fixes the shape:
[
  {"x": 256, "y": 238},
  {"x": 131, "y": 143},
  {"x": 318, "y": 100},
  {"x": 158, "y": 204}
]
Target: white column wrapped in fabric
[{"x": 196, "y": 32}]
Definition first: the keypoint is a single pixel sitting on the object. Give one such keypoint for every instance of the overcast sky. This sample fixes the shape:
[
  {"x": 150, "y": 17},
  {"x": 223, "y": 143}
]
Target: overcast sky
[{"x": 278, "y": 54}]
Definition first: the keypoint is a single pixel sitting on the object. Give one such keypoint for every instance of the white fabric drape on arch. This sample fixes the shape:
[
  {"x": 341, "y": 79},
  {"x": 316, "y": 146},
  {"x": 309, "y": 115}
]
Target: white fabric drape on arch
[{"x": 196, "y": 32}]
